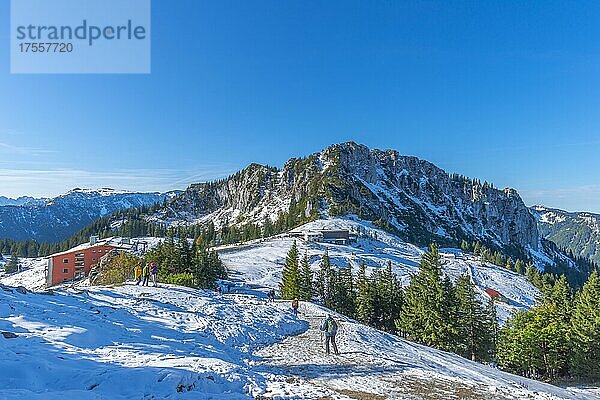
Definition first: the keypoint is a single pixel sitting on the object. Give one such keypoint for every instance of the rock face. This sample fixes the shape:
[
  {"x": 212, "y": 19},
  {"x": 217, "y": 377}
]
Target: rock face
[
  {"x": 412, "y": 197},
  {"x": 58, "y": 218},
  {"x": 578, "y": 232}
]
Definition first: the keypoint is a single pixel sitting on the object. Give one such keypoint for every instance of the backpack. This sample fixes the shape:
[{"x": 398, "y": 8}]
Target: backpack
[{"x": 331, "y": 326}]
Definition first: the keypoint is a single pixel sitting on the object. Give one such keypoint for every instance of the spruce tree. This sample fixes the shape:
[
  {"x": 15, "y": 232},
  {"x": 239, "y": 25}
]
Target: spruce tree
[
  {"x": 426, "y": 301},
  {"x": 364, "y": 297},
  {"x": 306, "y": 279},
  {"x": 290, "y": 277},
  {"x": 474, "y": 330},
  {"x": 585, "y": 330},
  {"x": 324, "y": 280}
]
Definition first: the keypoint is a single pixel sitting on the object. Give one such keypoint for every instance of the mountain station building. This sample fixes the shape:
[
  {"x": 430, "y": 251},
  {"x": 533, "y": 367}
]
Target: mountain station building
[{"x": 77, "y": 262}]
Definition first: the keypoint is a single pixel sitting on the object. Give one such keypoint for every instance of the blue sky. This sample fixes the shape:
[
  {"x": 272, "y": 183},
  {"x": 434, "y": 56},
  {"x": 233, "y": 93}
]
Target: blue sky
[{"x": 502, "y": 91}]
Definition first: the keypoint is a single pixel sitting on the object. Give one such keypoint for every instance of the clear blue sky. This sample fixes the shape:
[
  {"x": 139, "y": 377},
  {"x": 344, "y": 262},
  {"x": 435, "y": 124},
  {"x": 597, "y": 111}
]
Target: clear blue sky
[{"x": 503, "y": 91}]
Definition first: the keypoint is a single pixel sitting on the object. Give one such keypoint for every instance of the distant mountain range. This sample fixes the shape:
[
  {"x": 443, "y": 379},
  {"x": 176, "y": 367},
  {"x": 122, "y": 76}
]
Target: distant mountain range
[
  {"x": 578, "y": 232},
  {"x": 52, "y": 220},
  {"x": 21, "y": 201}
]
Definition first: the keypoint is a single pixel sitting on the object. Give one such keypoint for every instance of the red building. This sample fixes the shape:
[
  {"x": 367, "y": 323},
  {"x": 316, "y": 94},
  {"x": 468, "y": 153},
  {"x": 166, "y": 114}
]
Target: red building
[
  {"x": 77, "y": 262},
  {"x": 495, "y": 295}
]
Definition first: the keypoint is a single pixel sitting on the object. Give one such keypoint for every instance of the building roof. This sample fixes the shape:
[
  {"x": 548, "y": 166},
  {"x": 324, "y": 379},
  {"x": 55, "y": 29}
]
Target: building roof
[
  {"x": 492, "y": 292},
  {"x": 112, "y": 241}
]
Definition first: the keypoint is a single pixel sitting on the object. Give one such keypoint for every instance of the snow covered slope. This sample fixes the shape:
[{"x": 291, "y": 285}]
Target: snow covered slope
[
  {"x": 261, "y": 262},
  {"x": 32, "y": 274},
  {"x": 170, "y": 342}
]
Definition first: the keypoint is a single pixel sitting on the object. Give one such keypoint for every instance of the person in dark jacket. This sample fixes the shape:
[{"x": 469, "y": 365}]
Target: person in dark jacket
[
  {"x": 154, "y": 272},
  {"x": 330, "y": 328},
  {"x": 146, "y": 274},
  {"x": 295, "y": 304}
]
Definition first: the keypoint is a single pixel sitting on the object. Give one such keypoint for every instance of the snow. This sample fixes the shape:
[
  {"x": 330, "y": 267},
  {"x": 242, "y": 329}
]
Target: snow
[
  {"x": 261, "y": 262},
  {"x": 134, "y": 342},
  {"x": 32, "y": 275}
]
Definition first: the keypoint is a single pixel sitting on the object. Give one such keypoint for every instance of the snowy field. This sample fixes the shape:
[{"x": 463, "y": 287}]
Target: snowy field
[
  {"x": 261, "y": 262},
  {"x": 32, "y": 275},
  {"x": 170, "y": 342}
]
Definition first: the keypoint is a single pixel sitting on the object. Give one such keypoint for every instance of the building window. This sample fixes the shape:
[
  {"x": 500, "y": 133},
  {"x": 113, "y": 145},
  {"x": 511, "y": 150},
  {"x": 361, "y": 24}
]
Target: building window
[
  {"x": 65, "y": 260},
  {"x": 65, "y": 270}
]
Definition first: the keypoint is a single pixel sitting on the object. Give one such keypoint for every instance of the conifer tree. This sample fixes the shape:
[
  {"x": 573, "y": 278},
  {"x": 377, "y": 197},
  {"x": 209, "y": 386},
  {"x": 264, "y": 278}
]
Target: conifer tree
[
  {"x": 492, "y": 328},
  {"x": 364, "y": 297},
  {"x": 306, "y": 279},
  {"x": 424, "y": 315},
  {"x": 585, "y": 331},
  {"x": 474, "y": 330},
  {"x": 290, "y": 277},
  {"x": 324, "y": 281}
]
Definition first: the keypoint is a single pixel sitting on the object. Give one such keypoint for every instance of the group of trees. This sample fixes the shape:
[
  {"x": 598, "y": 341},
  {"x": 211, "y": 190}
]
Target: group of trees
[
  {"x": 184, "y": 264},
  {"x": 431, "y": 310},
  {"x": 558, "y": 338},
  {"x": 448, "y": 316}
]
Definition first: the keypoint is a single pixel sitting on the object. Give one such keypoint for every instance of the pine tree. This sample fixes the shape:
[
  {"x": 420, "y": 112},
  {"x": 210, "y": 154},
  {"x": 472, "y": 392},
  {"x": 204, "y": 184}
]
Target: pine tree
[
  {"x": 343, "y": 292},
  {"x": 425, "y": 313},
  {"x": 364, "y": 297},
  {"x": 12, "y": 265},
  {"x": 474, "y": 330},
  {"x": 290, "y": 277},
  {"x": 306, "y": 279},
  {"x": 585, "y": 330},
  {"x": 492, "y": 328},
  {"x": 324, "y": 279}
]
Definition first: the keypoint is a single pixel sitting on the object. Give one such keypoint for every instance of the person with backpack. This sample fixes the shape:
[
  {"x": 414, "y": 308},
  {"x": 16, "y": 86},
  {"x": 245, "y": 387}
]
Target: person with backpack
[
  {"x": 330, "y": 328},
  {"x": 137, "y": 273},
  {"x": 146, "y": 274},
  {"x": 295, "y": 305},
  {"x": 154, "y": 272}
]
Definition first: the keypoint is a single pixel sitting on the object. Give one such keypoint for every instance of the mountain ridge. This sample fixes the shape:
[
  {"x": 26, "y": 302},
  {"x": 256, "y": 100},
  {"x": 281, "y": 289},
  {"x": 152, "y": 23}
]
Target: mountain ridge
[
  {"x": 55, "y": 219},
  {"x": 577, "y": 232},
  {"x": 412, "y": 197}
]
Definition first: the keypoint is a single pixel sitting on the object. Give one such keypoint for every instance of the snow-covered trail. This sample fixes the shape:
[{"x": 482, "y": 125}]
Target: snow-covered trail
[{"x": 374, "y": 365}]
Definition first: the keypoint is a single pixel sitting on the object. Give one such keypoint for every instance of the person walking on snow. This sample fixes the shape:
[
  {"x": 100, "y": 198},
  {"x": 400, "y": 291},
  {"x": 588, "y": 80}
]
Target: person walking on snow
[
  {"x": 146, "y": 274},
  {"x": 295, "y": 305},
  {"x": 330, "y": 328},
  {"x": 154, "y": 272},
  {"x": 137, "y": 273}
]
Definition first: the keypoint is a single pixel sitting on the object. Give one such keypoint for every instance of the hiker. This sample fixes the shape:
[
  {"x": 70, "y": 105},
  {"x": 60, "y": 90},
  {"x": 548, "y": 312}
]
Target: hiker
[
  {"x": 154, "y": 272},
  {"x": 145, "y": 274},
  {"x": 330, "y": 328},
  {"x": 137, "y": 273},
  {"x": 295, "y": 305}
]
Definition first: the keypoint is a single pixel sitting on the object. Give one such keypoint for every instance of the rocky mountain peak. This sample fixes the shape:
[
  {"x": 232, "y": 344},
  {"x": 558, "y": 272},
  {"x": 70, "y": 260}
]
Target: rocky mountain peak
[{"x": 409, "y": 196}]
